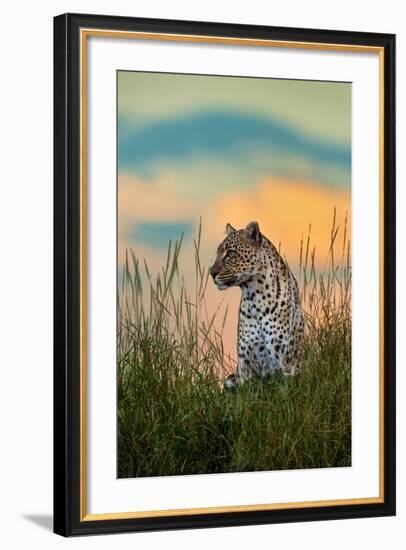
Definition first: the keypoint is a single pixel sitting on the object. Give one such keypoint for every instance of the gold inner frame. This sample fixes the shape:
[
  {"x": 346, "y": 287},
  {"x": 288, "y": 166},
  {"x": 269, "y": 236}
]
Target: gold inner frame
[{"x": 84, "y": 34}]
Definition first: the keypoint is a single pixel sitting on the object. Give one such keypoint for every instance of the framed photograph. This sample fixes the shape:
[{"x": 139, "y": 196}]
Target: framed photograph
[{"x": 224, "y": 274}]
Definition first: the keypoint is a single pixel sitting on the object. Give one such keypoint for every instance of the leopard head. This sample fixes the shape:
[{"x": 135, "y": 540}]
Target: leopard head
[{"x": 238, "y": 256}]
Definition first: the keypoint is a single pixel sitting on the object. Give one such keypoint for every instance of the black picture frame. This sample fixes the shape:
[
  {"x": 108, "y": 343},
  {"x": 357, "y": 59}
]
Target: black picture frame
[{"x": 67, "y": 351}]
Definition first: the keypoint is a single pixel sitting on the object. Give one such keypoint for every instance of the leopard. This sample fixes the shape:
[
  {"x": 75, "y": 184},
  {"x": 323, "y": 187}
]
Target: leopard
[{"x": 271, "y": 322}]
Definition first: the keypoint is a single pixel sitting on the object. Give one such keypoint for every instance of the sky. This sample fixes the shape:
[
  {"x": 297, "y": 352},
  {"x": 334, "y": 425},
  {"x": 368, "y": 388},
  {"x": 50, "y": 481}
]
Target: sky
[{"x": 229, "y": 149}]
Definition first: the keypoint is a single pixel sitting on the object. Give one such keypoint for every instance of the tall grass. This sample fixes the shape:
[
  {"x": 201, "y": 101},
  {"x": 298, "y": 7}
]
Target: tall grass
[{"x": 174, "y": 418}]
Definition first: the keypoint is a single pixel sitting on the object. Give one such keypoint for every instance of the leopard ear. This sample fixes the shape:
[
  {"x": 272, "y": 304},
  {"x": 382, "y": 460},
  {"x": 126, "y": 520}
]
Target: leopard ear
[
  {"x": 229, "y": 229},
  {"x": 253, "y": 234}
]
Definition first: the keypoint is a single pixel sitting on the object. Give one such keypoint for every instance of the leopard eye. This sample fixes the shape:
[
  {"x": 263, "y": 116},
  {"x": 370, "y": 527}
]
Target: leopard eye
[{"x": 229, "y": 254}]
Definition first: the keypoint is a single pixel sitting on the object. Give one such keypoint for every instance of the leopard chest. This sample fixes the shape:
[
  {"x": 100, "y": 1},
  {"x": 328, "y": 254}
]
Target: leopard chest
[
  {"x": 256, "y": 310},
  {"x": 264, "y": 304}
]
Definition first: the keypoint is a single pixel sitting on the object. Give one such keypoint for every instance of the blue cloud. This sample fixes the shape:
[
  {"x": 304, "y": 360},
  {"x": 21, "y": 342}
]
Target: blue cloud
[
  {"x": 158, "y": 234},
  {"x": 222, "y": 135}
]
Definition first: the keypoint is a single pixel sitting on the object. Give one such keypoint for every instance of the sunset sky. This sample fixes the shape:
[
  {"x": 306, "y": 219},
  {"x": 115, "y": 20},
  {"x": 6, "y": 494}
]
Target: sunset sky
[{"x": 229, "y": 149}]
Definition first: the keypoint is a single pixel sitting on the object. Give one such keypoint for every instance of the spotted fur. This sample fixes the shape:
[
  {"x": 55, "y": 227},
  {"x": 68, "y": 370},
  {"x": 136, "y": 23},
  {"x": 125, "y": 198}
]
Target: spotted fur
[{"x": 271, "y": 322}]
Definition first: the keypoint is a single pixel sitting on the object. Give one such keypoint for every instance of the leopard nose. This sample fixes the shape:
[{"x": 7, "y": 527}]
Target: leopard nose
[{"x": 213, "y": 271}]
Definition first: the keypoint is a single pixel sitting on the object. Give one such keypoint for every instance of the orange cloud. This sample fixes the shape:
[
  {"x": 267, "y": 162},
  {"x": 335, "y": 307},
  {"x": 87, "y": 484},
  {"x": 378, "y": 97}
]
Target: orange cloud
[{"x": 284, "y": 210}]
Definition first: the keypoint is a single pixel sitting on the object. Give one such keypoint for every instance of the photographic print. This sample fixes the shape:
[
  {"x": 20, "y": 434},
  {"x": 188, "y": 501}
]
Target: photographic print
[
  {"x": 224, "y": 274},
  {"x": 233, "y": 274}
]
